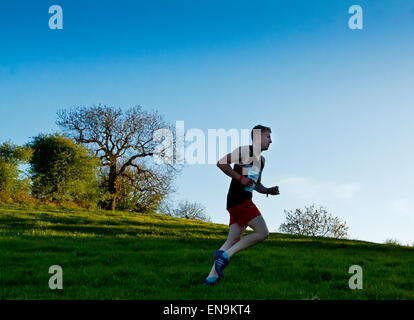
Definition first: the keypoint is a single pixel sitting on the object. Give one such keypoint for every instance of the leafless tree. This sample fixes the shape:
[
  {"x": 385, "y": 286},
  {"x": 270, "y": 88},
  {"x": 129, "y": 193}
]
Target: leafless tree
[
  {"x": 190, "y": 210},
  {"x": 393, "y": 241},
  {"x": 123, "y": 141},
  {"x": 313, "y": 222}
]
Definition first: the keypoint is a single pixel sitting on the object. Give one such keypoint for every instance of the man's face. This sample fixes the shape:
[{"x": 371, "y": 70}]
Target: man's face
[{"x": 266, "y": 140}]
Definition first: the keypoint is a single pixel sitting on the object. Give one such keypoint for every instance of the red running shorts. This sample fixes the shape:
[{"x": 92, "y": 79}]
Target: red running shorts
[{"x": 243, "y": 213}]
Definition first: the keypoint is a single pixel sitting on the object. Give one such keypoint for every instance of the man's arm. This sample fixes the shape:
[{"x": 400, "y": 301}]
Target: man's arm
[
  {"x": 259, "y": 187},
  {"x": 224, "y": 165},
  {"x": 262, "y": 189}
]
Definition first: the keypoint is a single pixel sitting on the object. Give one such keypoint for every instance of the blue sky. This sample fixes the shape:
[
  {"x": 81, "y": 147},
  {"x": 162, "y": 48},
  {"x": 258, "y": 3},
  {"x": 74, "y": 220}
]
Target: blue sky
[{"x": 339, "y": 101}]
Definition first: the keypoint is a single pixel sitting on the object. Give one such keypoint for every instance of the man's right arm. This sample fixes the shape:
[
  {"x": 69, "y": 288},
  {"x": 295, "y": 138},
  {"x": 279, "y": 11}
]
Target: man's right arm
[{"x": 224, "y": 165}]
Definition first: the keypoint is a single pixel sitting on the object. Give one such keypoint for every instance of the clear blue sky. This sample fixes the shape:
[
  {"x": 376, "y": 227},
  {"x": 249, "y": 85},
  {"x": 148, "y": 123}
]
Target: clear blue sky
[{"x": 339, "y": 101}]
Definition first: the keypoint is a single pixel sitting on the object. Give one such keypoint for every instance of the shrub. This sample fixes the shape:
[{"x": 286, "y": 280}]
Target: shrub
[
  {"x": 63, "y": 171},
  {"x": 313, "y": 222},
  {"x": 14, "y": 185},
  {"x": 392, "y": 241},
  {"x": 185, "y": 209}
]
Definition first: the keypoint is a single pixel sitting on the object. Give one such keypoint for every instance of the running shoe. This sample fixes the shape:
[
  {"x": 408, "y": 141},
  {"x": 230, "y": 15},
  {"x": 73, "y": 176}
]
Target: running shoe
[
  {"x": 211, "y": 281},
  {"x": 221, "y": 261}
]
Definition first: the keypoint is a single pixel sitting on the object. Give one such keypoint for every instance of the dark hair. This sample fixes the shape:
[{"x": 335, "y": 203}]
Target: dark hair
[{"x": 262, "y": 128}]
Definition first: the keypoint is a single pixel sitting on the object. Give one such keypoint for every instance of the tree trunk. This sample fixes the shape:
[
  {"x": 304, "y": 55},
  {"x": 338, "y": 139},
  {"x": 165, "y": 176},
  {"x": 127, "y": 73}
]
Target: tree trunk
[
  {"x": 112, "y": 187},
  {"x": 113, "y": 203}
]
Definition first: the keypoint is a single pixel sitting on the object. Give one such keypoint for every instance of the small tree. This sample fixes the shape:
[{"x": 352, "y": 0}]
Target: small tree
[
  {"x": 12, "y": 181},
  {"x": 188, "y": 210},
  {"x": 63, "y": 171},
  {"x": 394, "y": 242},
  {"x": 313, "y": 222}
]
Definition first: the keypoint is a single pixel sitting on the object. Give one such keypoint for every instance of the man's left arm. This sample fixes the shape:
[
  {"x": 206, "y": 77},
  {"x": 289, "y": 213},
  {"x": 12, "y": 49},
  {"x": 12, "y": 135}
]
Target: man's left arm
[
  {"x": 259, "y": 187},
  {"x": 262, "y": 189}
]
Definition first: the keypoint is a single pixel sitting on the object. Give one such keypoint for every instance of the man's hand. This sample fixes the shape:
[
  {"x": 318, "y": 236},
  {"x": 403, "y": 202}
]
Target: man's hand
[{"x": 273, "y": 190}]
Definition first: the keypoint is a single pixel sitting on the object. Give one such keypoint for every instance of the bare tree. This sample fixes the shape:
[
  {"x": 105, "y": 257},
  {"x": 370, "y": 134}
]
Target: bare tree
[
  {"x": 123, "y": 141},
  {"x": 313, "y": 222},
  {"x": 393, "y": 241},
  {"x": 144, "y": 190},
  {"x": 190, "y": 210}
]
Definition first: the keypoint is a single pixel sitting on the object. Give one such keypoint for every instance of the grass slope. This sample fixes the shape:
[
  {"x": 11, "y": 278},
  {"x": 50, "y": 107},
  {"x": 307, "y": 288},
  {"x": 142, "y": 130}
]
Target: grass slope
[{"x": 121, "y": 255}]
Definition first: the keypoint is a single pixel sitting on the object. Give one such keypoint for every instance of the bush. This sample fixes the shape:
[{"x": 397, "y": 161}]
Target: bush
[
  {"x": 313, "y": 222},
  {"x": 394, "y": 242},
  {"x": 185, "y": 209},
  {"x": 63, "y": 171},
  {"x": 13, "y": 184}
]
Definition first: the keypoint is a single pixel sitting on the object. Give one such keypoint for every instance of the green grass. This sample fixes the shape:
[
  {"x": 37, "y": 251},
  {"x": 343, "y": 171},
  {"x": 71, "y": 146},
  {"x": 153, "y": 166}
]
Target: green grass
[{"x": 121, "y": 255}]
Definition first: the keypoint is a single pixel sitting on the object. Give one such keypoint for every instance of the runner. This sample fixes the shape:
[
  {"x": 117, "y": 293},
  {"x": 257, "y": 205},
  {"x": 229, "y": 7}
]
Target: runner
[{"x": 246, "y": 177}]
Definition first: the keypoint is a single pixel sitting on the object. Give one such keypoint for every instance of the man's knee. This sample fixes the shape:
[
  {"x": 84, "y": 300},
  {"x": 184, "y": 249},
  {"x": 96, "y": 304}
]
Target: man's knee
[{"x": 264, "y": 235}]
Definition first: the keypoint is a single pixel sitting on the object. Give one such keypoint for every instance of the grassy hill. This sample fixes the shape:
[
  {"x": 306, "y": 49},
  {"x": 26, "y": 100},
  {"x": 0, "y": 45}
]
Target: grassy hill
[{"x": 121, "y": 255}]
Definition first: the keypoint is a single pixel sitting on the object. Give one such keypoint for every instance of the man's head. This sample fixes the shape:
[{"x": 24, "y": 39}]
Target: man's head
[{"x": 261, "y": 134}]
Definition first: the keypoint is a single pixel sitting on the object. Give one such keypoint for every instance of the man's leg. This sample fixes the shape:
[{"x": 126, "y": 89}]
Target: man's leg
[
  {"x": 260, "y": 233},
  {"x": 235, "y": 233}
]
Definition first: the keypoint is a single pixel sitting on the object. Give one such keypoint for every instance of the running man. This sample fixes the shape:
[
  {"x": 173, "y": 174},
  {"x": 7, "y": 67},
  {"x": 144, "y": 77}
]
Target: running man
[{"x": 246, "y": 177}]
